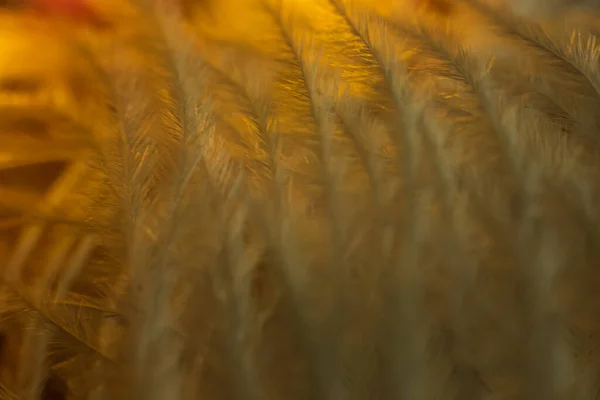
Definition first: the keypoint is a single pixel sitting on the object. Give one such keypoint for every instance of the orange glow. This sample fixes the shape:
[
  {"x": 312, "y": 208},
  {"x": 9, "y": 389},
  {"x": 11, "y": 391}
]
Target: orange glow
[{"x": 73, "y": 10}]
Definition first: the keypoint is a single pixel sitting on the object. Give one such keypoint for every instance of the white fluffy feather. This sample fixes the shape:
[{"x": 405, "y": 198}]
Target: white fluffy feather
[{"x": 301, "y": 200}]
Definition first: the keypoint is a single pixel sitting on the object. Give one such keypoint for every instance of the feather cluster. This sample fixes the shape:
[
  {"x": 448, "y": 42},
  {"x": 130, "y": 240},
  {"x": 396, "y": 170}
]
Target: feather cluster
[{"x": 346, "y": 204}]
